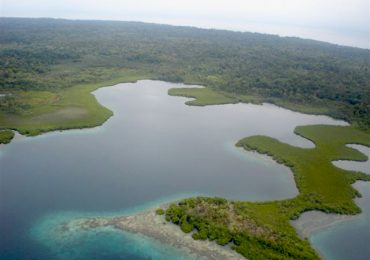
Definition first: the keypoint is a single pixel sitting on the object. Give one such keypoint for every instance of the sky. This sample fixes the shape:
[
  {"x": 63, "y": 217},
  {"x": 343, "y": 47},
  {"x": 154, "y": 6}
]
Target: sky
[{"x": 344, "y": 22}]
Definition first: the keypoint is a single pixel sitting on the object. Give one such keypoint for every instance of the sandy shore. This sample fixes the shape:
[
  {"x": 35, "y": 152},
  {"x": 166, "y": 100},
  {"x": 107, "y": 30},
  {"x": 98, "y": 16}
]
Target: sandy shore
[
  {"x": 312, "y": 221},
  {"x": 149, "y": 224}
]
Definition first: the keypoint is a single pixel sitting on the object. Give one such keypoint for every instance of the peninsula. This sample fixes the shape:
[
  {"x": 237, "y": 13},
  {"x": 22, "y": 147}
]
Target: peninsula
[
  {"x": 257, "y": 230},
  {"x": 50, "y": 67}
]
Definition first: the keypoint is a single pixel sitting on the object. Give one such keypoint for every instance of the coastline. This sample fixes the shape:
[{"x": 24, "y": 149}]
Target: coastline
[
  {"x": 99, "y": 114},
  {"x": 144, "y": 225},
  {"x": 312, "y": 221},
  {"x": 154, "y": 226}
]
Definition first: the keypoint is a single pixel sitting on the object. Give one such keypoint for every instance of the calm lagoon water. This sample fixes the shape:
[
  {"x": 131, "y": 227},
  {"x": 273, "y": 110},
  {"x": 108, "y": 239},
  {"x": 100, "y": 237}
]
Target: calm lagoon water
[
  {"x": 350, "y": 239},
  {"x": 357, "y": 166},
  {"x": 154, "y": 149}
]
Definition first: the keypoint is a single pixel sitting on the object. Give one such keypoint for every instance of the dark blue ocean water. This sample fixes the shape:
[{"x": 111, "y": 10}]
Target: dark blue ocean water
[{"x": 154, "y": 149}]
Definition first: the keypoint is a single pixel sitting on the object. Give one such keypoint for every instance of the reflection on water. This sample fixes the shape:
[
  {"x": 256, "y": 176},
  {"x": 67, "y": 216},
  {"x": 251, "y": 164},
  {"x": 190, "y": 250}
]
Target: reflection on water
[{"x": 153, "y": 147}]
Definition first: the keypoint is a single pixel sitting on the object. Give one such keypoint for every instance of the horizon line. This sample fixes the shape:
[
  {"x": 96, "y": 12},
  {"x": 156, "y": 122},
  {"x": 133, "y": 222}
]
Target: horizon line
[{"x": 189, "y": 26}]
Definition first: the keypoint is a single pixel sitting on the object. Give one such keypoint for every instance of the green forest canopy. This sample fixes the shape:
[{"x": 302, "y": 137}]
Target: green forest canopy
[{"x": 53, "y": 54}]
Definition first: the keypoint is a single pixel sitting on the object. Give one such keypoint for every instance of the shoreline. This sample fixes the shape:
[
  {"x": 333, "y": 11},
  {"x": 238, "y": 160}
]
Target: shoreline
[
  {"x": 314, "y": 221},
  {"x": 90, "y": 88},
  {"x": 310, "y": 222},
  {"x": 154, "y": 226}
]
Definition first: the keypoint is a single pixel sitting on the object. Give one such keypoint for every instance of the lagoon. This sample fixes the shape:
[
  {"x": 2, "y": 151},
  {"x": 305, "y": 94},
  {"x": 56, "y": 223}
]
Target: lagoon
[{"x": 154, "y": 149}]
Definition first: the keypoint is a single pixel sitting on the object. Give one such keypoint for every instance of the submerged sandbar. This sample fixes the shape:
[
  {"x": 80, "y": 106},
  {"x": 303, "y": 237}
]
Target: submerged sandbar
[{"x": 154, "y": 226}]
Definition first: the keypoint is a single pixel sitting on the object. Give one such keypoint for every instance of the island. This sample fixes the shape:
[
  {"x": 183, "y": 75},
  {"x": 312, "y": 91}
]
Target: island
[
  {"x": 50, "y": 85},
  {"x": 260, "y": 230}
]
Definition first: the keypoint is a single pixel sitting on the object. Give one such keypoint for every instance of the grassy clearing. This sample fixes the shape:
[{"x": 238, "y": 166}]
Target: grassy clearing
[
  {"x": 256, "y": 230},
  {"x": 73, "y": 107},
  {"x": 261, "y": 230},
  {"x": 43, "y": 54},
  {"x": 6, "y": 136}
]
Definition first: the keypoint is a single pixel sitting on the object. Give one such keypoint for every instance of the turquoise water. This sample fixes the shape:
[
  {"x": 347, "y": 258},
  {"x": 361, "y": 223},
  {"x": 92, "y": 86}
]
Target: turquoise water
[
  {"x": 102, "y": 242},
  {"x": 154, "y": 149}
]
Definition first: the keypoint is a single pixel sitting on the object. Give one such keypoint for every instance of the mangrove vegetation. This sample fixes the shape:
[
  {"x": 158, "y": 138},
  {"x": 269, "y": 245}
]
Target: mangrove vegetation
[
  {"x": 261, "y": 230},
  {"x": 6, "y": 136},
  {"x": 48, "y": 67}
]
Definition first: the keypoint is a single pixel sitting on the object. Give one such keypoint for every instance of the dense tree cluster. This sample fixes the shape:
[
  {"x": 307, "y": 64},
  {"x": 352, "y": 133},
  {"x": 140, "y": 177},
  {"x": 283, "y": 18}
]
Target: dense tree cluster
[
  {"x": 53, "y": 54},
  {"x": 233, "y": 223},
  {"x": 262, "y": 230},
  {"x": 6, "y": 136}
]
